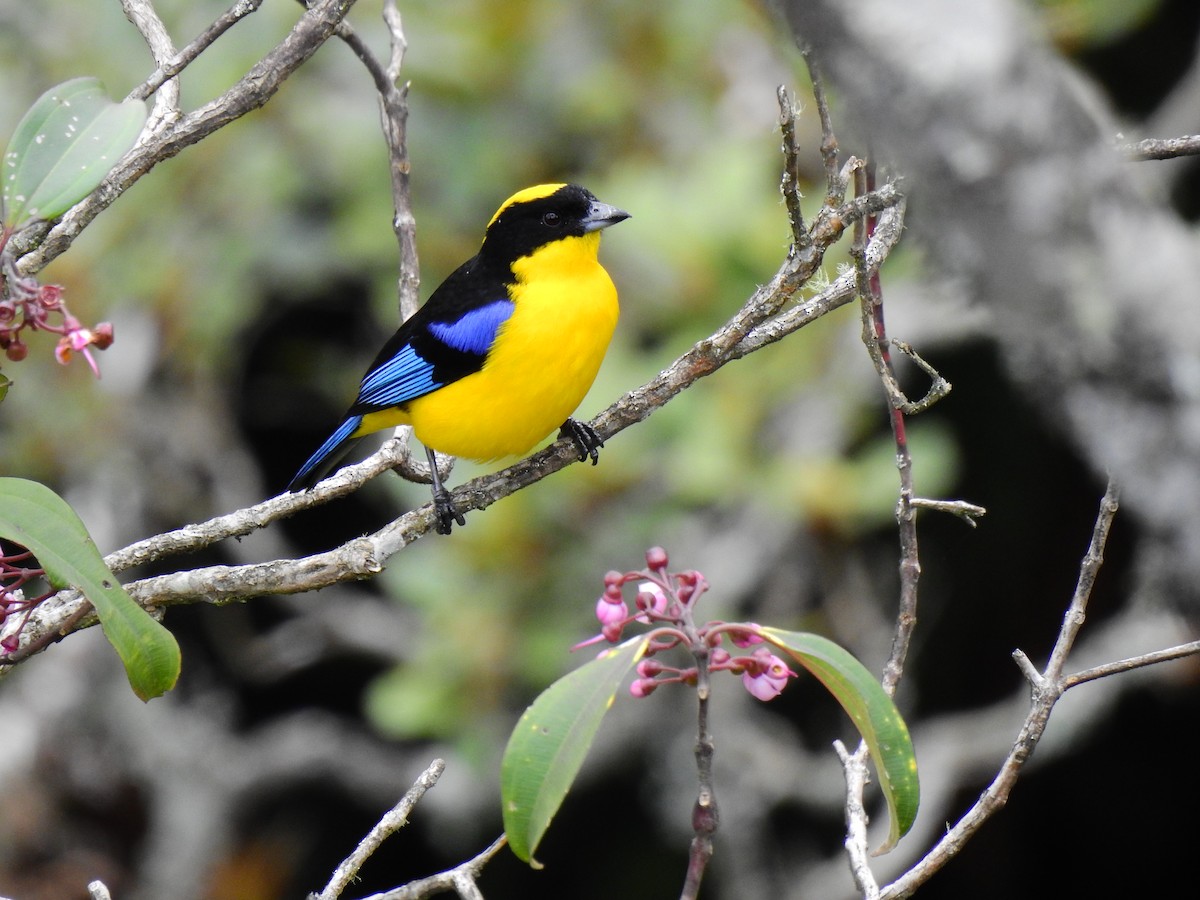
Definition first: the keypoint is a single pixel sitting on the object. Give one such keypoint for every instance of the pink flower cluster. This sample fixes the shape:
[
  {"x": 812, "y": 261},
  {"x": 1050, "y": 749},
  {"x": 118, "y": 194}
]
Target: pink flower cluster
[
  {"x": 26, "y": 304},
  {"x": 666, "y": 601}
]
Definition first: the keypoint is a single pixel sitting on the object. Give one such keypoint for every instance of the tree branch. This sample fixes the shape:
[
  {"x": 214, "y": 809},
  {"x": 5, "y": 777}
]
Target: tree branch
[
  {"x": 39, "y": 246},
  {"x": 392, "y": 821}
]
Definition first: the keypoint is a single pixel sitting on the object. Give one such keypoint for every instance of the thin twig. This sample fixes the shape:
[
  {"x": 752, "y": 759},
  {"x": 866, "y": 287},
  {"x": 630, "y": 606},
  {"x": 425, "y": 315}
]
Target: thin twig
[
  {"x": 939, "y": 387},
  {"x": 875, "y": 338},
  {"x": 181, "y": 60},
  {"x": 968, "y": 512},
  {"x": 461, "y": 879},
  {"x": 854, "y": 766},
  {"x": 392, "y": 821},
  {"x": 789, "y": 184},
  {"x": 1131, "y": 663},
  {"x": 706, "y": 815},
  {"x": 835, "y": 182},
  {"x": 1161, "y": 148}
]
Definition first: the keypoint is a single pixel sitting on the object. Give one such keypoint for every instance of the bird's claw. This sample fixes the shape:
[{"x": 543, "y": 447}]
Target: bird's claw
[
  {"x": 445, "y": 514},
  {"x": 586, "y": 440}
]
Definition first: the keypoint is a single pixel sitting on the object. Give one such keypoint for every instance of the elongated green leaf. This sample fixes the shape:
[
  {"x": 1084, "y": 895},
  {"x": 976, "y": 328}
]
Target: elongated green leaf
[
  {"x": 38, "y": 519},
  {"x": 874, "y": 715},
  {"x": 547, "y": 747},
  {"x": 63, "y": 147}
]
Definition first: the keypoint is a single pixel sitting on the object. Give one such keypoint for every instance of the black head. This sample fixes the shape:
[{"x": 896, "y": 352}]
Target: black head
[{"x": 542, "y": 214}]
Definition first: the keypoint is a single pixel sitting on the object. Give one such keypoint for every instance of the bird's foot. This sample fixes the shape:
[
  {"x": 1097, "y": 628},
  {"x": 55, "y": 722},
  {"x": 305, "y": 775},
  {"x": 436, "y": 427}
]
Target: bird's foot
[
  {"x": 586, "y": 440},
  {"x": 445, "y": 513}
]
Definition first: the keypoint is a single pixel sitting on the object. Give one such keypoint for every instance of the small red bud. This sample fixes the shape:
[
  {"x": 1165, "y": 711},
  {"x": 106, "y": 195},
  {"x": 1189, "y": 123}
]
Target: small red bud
[
  {"x": 656, "y": 558},
  {"x": 648, "y": 668},
  {"x": 16, "y": 350},
  {"x": 613, "y": 578},
  {"x": 102, "y": 335}
]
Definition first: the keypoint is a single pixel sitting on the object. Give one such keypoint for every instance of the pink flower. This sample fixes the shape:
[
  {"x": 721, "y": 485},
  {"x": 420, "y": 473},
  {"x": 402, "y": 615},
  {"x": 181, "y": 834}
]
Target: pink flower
[
  {"x": 768, "y": 678},
  {"x": 78, "y": 339},
  {"x": 609, "y": 612}
]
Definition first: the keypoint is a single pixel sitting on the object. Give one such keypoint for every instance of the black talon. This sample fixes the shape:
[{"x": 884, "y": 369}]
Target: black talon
[
  {"x": 586, "y": 440},
  {"x": 443, "y": 506},
  {"x": 445, "y": 512}
]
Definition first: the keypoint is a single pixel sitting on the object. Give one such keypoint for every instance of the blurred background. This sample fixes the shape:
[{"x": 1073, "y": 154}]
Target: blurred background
[{"x": 251, "y": 279}]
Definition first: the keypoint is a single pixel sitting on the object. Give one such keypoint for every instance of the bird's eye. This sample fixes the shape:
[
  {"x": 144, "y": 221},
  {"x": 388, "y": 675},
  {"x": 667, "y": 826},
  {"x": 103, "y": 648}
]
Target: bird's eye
[{"x": 551, "y": 219}]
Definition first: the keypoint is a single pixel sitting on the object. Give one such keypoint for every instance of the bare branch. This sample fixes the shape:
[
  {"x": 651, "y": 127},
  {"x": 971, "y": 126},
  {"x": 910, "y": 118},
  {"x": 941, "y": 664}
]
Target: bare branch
[
  {"x": 870, "y": 293},
  {"x": 968, "y": 512},
  {"x": 1161, "y": 148},
  {"x": 835, "y": 182},
  {"x": 1131, "y": 663},
  {"x": 854, "y": 766},
  {"x": 392, "y": 821},
  {"x": 168, "y": 69},
  {"x": 789, "y": 184},
  {"x": 146, "y": 20},
  {"x": 461, "y": 879}
]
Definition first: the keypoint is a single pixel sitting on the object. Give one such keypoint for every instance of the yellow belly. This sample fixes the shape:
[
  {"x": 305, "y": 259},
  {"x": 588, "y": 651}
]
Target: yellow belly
[{"x": 543, "y": 362}]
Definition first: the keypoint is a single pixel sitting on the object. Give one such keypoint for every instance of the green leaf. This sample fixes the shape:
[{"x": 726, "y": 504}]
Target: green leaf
[
  {"x": 874, "y": 715},
  {"x": 5, "y": 384},
  {"x": 547, "y": 747},
  {"x": 63, "y": 147},
  {"x": 38, "y": 519}
]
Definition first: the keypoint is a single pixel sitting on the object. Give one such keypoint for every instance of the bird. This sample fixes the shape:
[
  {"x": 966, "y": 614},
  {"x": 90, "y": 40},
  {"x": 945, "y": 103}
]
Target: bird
[{"x": 502, "y": 352}]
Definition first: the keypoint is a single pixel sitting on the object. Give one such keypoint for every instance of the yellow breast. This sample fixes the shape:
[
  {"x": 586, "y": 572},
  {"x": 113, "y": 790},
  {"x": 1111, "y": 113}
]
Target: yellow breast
[{"x": 543, "y": 362}]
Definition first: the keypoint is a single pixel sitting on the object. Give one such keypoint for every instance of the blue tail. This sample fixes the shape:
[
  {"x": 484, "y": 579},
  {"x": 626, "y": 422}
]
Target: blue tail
[{"x": 327, "y": 456}]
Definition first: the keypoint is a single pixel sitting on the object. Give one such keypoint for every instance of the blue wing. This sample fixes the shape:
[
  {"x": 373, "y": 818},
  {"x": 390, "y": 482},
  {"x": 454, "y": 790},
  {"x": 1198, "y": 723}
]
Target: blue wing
[
  {"x": 474, "y": 332},
  {"x": 433, "y": 357},
  {"x": 421, "y": 357},
  {"x": 405, "y": 376}
]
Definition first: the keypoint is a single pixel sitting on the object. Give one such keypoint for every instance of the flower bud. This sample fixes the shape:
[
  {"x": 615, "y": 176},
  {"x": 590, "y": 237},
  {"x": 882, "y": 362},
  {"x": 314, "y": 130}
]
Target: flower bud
[
  {"x": 648, "y": 668},
  {"x": 650, "y": 598},
  {"x": 643, "y": 687},
  {"x": 102, "y": 335},
  {"x": 656, "y": 558},
  {"x": 744, "y": 638},
  {"x": 612, "y": 631},
  {"x": 609, "y": 612}
]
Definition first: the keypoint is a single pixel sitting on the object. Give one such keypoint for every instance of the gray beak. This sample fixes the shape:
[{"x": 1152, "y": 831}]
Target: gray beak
[{"x": 601, "y": 215}]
